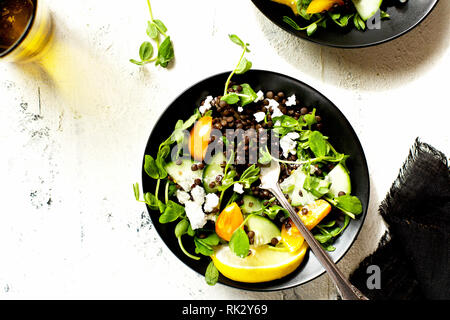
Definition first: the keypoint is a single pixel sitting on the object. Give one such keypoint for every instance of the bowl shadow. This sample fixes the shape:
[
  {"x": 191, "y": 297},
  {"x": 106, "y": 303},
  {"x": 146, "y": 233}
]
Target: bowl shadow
[{"x": 380, "y": 67}]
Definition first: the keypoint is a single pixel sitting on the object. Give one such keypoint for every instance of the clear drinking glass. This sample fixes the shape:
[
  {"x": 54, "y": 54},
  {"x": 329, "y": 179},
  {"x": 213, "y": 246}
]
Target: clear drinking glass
[{"x": 26, "y": 30}]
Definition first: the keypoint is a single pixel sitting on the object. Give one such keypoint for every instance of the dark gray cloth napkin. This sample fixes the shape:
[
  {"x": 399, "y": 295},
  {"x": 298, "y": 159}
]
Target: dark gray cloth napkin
[{"x": 414, "y": 255}]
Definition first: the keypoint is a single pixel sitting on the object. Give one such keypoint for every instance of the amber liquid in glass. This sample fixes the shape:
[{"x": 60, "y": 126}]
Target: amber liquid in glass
[{"x": 15, "y": 15}]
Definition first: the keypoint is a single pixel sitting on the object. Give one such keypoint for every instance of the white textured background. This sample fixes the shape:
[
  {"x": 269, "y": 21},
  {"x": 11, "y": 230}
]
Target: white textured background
[{"x": 69, "y": 224}]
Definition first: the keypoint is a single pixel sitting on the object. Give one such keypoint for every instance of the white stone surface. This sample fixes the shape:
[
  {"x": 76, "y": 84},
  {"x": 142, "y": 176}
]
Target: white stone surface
[{"x": 73, "y": 130}]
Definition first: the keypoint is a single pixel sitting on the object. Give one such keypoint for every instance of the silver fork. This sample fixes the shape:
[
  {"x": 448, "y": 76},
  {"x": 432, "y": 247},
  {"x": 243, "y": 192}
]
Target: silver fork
[{"x": 269, "y": 181}]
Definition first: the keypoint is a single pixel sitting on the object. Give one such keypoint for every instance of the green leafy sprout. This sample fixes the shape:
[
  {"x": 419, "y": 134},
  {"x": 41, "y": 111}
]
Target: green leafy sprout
[{"x": 164, "y": 49}]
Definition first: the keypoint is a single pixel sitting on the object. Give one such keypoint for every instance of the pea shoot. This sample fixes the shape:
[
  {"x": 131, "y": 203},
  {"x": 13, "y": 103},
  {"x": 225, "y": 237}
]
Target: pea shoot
[{"x": 164, "y": 49}]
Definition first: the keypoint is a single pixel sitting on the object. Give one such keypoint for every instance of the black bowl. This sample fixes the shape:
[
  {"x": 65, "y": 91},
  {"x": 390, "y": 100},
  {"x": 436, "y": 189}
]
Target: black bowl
[
  {"x": 403, "y": 19},
  {"x": 341, "y": 134}
]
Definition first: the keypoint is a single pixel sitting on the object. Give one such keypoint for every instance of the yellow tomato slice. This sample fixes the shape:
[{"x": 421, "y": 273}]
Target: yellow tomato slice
[
  {"x": 228, "y": 221},
  {"x": 318, "y": 6},
  {"x": 199, "y": 139},
  {"x": 317, "y": 211}
]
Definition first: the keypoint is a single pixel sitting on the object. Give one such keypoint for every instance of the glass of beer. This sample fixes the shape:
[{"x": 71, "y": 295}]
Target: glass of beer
[{"x": 26, "y": 30}]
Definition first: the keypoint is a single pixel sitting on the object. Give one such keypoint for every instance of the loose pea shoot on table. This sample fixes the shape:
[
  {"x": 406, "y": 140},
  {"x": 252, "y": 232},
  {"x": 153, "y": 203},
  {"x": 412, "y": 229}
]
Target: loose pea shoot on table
[{"x": 164, "y": 50}]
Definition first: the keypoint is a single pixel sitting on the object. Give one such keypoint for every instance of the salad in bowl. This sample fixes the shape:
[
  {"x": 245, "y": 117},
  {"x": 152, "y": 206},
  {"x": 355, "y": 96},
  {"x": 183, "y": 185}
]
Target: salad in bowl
[
  {"x": 341, "y": 13},
  {"x": 207, "y": 182}
]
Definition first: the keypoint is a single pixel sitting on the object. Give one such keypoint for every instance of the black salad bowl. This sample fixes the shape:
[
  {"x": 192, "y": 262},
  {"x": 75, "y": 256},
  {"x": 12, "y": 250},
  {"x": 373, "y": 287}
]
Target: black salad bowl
[
  {"x": 336, "y": 127},
  {"x": 404, "y": 17}
]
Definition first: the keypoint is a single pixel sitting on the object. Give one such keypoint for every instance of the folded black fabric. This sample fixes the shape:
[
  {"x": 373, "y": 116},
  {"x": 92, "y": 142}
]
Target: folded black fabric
[{"x": 414, "y": 255}]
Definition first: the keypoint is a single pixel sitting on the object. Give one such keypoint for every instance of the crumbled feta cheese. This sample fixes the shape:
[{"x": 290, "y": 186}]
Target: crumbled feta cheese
[
  {"x": 276, "y": 111},
  {"x": 288, "y": 143},
  {"x": 198, "y": 194},
  {"x": 259, "y": 96},
  {"x": 183, "y": 196},
  {"x": 187, "y": 179},
  {"x": 207, "y": 105},
  {"x": 211, "y": 216},
  {"x": 239, "y": 188},
  {"x": 291, "y": 101},
  {"x": 240, "y": 109},
  {"x": 195, "y": 214},
  {"x": 259, "y": 116},
  {"x": 212, "y": 201},
  {"x": 273, "y": 103}
]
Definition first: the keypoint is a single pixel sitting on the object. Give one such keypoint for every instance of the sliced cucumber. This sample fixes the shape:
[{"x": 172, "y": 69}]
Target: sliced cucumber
[
  {"x": 251, "y": 204},
  {"x": 264, "y": 229},
  {"x": 340, "y": 181},
  {"x": 183, "y": 174},
  {"x": 367, "y": 8},
  {"x": 298, "y": 195},
  {"x": 212, "y": 170}
]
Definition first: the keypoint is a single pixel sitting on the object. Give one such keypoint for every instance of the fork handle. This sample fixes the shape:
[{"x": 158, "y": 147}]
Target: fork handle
[{"x": 346, "y": 289}]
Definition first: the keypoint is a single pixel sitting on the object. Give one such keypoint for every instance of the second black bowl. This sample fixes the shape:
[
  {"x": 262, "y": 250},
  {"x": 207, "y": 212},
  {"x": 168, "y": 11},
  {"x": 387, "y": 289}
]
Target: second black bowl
[{"x": 404, "y": 17}]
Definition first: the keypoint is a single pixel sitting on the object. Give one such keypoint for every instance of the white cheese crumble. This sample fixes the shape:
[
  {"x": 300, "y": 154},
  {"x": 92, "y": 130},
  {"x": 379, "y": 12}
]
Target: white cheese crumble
[
  {"x": 291, "y": 101},
  {"x": 212, "y": 201},
  {"x": 198, "y": 194},
  {"x": 259, "y": 96},
  {"x": 183, "y": 196},
  {"x": 207, "y": 105},
  {"x": 259, "y": 116},
  {"x": 276, "y": 111},
  {"x": 187, "y": 179},
  {"x": 240, "y": 109},
  {"x": 288, "y": 143},
  {"x": 273, "y": 103},
  {"x": 195, "y": 214},
  {"x": 239, "y": 188}
]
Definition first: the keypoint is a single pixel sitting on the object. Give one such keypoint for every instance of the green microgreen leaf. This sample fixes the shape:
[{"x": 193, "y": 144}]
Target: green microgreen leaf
[
  {"x": 239, "y": 243},
  {"x": 136, "y": 191},
  {"x": 202, "y": 248},
  {"x": 146, "y": 51},
  {"x": 181, "y": 228},
  {"x": 349, "y": 203},
  {"x": 318, "y": 144},
  {"x": 247, "y": 95},
  {"x": 244, "y": 66},
  {"x": 231, "y": 98},
  {"x": 211, "y": 274},
  {"x": 152, "y": 30},
  {"x": 172, "y": 212},
  {"x": 165, "y": 53},
  {"x": 160, "y": 25}
]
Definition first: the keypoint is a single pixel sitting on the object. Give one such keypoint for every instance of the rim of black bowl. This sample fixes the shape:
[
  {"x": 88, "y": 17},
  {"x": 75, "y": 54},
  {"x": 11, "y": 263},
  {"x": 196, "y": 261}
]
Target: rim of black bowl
[
  {"x": 286, "y": 28},
  {"x": 361, "y": 218}
]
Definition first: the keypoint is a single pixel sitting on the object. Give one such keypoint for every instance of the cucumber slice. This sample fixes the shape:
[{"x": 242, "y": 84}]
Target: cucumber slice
[
  {"x": 251, "y": 204},
  {"x": 367, "y": 8},
  {"x": 212, "y": 170},
  {"x": 264, "y": 229},
  {"x": 340, "y": 181},
  {"x": 299, "y": 196},
  {"x": 183, "y": 174}
]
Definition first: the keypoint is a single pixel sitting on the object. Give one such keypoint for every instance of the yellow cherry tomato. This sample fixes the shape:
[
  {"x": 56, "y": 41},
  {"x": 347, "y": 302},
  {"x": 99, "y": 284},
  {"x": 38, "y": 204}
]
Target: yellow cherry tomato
[
  {"x": 316, "y": 212},
  {"x": 199, "y": 139},
  {"x": 318, "y": 6},
  {"x": 228, "y": 221}
]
